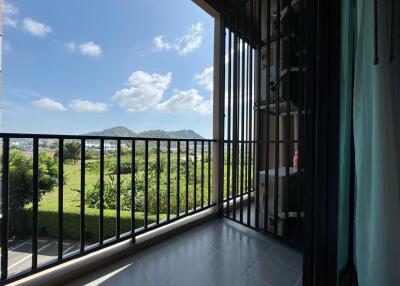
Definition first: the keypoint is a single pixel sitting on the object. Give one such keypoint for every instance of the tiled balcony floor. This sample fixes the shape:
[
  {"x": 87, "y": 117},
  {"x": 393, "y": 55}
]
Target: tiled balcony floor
[{"x": 220, "y": 252}]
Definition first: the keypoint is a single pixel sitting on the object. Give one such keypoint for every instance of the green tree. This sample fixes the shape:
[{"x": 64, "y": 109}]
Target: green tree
[
  {"x": 21, "y": 183},
  {"x": 72, "y": 151}
]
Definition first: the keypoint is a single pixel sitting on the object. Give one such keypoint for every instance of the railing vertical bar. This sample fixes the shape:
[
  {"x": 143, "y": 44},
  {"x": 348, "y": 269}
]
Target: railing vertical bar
[
  {"x": 146, "y": 184},
  {"x": 288, "y": 143},
  {"x": 4, "y": 205},
  {"x": 235, "y": 119},
  {"x": 257, "y": 7},
  {"x": 229, "y": 119},
  {"x": 220, "y": 117},
  {"x": 242, "y": 120},
  {"x": 249, "y": 126},
  {"x": 158, "y": 170},
  {"x": 101, "y": 193},
  {"x": 187, "y": 178},
  {"x": 195, "y": 176},
  {"x": 168, "y": 180},
  {"x": 268, "y": 98},
  {"x": 301, "y": 135},
  {"x": 299, "y": 172},
  {"x": 209, "y": 173},
  {"x": 118, "y": 205},
  {"x": 178, "y": 177},
  {"x": 277, "y": 119},
  {"x": 244, "y": 112},
  {"x": 202, "y": 174},
  {"x": 133, "y": 190},
  {"x": 35, "y": 202},
  {"x": 82, "y": 197},
  {"x": 60, "y": 198},
  {"x": 246, "y": 130}
]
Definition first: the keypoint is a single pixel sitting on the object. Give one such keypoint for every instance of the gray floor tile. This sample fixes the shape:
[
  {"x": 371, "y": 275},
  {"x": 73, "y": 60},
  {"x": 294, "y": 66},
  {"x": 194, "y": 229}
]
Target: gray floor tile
[
  {"x": 88, "y": 279},
  {"x": 162, "y": 264},
  {"x": 216, "y": 270},
  {"x": 133, "y": 274},
  {"x": 125, "y": 272},
  {"x": 193, "y": 277},
  {"x": 191, "y": 249},
  {"x": 248, "y": 278},
  {"x": 221, "y": 234},
  {"x": 258, "y": 240},
  {"x": 274, "y": 272},
  {"x": 220, "y": 252},
  {"x": 288, "y": 255},
  {"x": 240, "y": 254}
]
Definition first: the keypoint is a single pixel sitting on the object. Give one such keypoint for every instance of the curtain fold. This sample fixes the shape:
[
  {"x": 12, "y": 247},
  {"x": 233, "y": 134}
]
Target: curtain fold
[
  {"x": 376, "y": 118},
  {"x": 346, "y": 98}
]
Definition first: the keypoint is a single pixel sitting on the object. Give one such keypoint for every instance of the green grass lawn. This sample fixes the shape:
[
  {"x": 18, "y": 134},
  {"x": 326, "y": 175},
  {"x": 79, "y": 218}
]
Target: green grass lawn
[
  {"x": 48, "y": 206},
  {"x": 48, "y": 209}
]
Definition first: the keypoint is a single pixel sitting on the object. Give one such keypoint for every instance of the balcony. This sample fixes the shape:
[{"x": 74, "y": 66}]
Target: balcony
[
  {"x": 170, "y": 192},
  {"x": 161, "y": 211}
]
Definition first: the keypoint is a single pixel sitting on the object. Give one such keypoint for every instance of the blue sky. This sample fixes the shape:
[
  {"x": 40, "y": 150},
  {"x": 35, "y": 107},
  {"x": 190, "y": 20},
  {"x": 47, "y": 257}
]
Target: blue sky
[{"x": 74, "y": 66}]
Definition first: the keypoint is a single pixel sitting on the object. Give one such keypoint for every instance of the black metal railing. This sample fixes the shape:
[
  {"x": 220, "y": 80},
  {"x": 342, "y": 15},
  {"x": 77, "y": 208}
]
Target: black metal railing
[
  {"x": 167, "y": 179},
  {"x": 264, "y": 118}
]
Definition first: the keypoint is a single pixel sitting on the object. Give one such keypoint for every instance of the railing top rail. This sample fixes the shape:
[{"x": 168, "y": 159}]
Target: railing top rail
[{"x": 94, "y": 137}]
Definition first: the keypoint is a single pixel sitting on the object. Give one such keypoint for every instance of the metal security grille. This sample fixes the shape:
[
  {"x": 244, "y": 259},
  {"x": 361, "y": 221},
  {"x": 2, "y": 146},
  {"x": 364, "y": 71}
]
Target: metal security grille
[{"x": 264, "y": 116}]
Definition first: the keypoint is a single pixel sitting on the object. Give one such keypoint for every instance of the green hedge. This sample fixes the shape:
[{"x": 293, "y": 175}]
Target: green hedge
[{"x": 48, "y": 223}]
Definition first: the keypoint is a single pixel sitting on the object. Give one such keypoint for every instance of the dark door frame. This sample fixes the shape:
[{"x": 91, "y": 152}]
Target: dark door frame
[{"x": 323, "y": 81}]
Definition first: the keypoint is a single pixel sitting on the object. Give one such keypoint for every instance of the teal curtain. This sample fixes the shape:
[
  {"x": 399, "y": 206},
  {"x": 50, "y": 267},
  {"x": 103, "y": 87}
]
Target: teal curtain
[
  {"x": 376, "y": 119},
  {"x": 346, "y": 98}
]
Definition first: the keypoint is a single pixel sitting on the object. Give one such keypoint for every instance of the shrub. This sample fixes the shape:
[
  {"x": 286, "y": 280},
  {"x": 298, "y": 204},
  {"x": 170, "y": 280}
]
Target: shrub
[
  {"x": 21, "y": 180},
  {"x": 92, "y": 166},
  {"x": 92, "y": 196},
  {"x": 48, "y": 222},
  {"x": 91, "y": 154},
  {"x": 125, "y": 167},
  {"x": 21, "y": 176}
]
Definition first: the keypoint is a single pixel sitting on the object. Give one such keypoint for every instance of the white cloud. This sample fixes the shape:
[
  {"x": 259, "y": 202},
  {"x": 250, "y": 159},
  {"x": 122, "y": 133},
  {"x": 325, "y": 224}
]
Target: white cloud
[
  {"x": 206, "y": 78},
  {"x": 70, "y": 46},
  {"x": 36, "y": 28},
  {"x": 90, "y": 49},
  {"x": 205, "y": 107},
  {"x": 185, "y": 45},
  {"x": 186, "y": 101},
  {"x": 47, "y": 103},
  {"x": 10, "y": 12},
  {"x": 145, "y": 91},
  {"x": 7, "y": 47},
  {"x": 191, "y": 40},
  {"x": 160, "y": 44},
  {"x": 9, "y": 8},
  {"x": 88, "y": 106}
]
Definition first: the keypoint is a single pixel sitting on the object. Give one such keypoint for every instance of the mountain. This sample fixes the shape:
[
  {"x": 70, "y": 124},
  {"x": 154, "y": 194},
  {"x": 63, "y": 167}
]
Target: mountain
[
  {"x": 180, "y": 134},
  {"x": 120, "y": 131}
]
